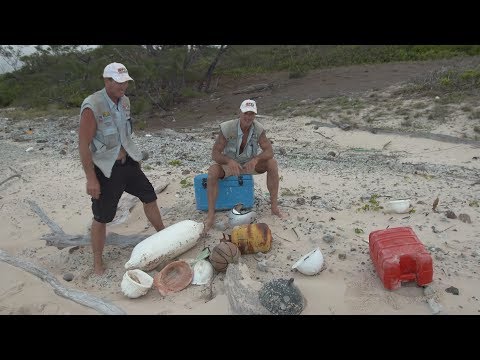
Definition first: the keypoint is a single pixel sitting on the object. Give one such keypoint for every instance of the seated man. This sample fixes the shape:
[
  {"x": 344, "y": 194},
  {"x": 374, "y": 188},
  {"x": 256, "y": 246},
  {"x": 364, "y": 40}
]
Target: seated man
[{"x": 235, "y": 153}]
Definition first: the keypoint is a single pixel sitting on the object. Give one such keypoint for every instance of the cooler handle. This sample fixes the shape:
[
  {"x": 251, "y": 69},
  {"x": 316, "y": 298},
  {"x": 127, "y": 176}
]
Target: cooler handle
[{"x": 240, "y": 181}]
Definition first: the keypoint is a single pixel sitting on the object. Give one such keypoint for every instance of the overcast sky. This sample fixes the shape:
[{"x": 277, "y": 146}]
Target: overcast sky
[{"x": 26, "y": 50}]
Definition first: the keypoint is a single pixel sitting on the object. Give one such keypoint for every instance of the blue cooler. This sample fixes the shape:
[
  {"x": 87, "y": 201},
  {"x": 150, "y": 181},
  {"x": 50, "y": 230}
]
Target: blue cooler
[{"x": 231, "y": 191}]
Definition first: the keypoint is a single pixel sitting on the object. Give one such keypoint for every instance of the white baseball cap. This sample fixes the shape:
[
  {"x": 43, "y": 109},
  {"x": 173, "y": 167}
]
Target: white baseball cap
[
  {"x": 117, "y": 72},
  {"x": 248, "y": 105}
]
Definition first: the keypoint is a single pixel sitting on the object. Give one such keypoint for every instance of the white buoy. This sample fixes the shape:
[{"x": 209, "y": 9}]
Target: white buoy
[{"x": 164, "y": 245}]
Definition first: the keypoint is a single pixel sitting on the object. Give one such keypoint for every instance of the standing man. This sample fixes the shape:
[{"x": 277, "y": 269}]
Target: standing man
[
  {"x": 110, "y": 158},
  {"x": 235, "y": 152}
]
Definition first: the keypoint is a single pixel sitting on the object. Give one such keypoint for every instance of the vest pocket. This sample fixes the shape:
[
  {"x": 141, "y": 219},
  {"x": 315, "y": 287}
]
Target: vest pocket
[
  {"x": 97, "y": 146},
  {"x": 110, "y": 136}
]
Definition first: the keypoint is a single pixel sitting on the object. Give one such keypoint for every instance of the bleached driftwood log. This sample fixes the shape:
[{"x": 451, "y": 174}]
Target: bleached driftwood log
[
  {"x": 242, "y": 291},
  {"x": 52, "y": 225},
  {"x": 79, "y": 297},
  {"x": 61, "y": 240}
]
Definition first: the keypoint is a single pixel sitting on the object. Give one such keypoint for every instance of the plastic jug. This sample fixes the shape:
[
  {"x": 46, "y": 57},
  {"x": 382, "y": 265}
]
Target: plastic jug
[
  {"x": 399, "y": 256},
  {"x": 252, "y": 238}
]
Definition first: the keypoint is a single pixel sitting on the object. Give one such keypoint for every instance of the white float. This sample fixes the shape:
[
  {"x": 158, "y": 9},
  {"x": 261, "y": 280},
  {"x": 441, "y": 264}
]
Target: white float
[{"x": 164, "y": 245}]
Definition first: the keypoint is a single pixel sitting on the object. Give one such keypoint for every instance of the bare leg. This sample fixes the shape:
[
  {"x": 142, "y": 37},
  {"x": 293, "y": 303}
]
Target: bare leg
[
  {"x": 153, "y": 215},
  {"x": 215, "y": 172},
  {"x": 98, "y": 234},
  {"x": 273, "y": 185}
]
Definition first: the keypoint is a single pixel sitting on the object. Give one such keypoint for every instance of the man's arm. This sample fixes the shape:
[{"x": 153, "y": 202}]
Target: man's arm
[
  {"x": 217, "y": 151},
  {"x": 88, "y": 127},
  {"x": 266, "y": 146}
]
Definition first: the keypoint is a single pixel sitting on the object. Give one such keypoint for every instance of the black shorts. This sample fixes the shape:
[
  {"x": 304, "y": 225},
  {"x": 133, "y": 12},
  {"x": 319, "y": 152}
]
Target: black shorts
[{"x": 127, "y": 177}]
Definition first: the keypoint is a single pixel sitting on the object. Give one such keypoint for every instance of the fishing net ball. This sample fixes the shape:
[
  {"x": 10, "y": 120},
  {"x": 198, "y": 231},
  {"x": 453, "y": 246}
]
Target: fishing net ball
[{"x": 224, "y": 254}]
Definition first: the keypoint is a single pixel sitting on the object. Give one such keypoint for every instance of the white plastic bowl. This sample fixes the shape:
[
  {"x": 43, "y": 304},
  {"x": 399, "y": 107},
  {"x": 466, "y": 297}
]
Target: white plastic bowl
[
  {"x": 136, "y": 283},
  {"x": 399, "y": 206},
  {"x": 236, "y": 218},
  {"x": 311, "y": 263}
]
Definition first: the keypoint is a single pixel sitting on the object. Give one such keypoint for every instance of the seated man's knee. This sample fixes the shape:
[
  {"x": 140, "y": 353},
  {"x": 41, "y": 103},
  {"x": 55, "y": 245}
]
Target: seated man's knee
[{"x": 214, "y": 172}]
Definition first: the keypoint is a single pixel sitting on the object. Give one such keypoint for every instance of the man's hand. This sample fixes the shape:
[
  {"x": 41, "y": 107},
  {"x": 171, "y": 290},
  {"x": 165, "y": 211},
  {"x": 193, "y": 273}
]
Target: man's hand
[
  {"x": 234, "y": 167},
  {"x": 93, "y": 187},
  {"x": 249, "y": 167}
]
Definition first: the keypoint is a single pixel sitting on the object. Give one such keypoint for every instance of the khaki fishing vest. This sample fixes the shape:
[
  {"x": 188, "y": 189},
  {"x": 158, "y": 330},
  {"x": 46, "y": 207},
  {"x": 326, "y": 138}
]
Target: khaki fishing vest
[
  {"x": 114, "y": 129},
  {"x": 232, "y": 132}
]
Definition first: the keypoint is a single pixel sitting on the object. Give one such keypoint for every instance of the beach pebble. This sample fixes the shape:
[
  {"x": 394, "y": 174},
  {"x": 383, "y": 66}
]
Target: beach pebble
[
  {"x": 68, "y": 277},
  {"x": 465, "y": 218},
  {"x": 450, "y": 214},
  {"x": 328, "y": 238},
  {"x": 452, "y": 290}
]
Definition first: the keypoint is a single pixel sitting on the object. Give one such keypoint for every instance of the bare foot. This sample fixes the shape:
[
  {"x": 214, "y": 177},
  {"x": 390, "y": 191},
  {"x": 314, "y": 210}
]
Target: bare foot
[
  {"x": 98, "y": 270},
  {"x": 208, "y": 224},
  {"x": 276, "y": 211}
]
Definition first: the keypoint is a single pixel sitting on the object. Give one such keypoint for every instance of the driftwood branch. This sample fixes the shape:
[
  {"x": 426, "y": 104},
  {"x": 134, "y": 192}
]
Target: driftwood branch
[
  {"x": 79, "y": 297},
  {"x": 17, "y": 173},
  {"x": 52, "y": 225},
  {"x": 61, "y": 241},
  {"x": 9, "y": 178},
  {"x": 278, "y": 236},
  {"x": 253, "y": 88},
  {"x": 326, "y": 137}
]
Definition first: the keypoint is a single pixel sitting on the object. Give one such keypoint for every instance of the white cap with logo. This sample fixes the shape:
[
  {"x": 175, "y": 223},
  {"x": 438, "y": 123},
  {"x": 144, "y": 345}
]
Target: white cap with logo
[
  {"x": 117, "y": 72},
  {"x": 248, "y": 105}
]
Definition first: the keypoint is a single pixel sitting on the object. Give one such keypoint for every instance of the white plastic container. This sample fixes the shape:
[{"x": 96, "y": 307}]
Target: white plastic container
[
  {"x": 136, "y": 283},
  {"x": 236, "y": 218},
  {"x": 311, "y": 263},
  {"x": 399, "y": 206}
]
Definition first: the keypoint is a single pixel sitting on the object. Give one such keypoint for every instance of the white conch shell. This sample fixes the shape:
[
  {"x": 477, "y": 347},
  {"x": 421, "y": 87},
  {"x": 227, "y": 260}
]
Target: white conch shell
[
  {"x": 202, "y": 272},
  {"x": 165, "y": 245},
  {"x": 136, "y": 283},
  {"x": 311, "y": 263}
]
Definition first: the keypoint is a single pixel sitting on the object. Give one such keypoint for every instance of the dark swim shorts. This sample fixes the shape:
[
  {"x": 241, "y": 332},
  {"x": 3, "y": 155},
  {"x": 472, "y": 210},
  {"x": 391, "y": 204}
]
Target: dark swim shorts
[{"x": 127, "y": 177}]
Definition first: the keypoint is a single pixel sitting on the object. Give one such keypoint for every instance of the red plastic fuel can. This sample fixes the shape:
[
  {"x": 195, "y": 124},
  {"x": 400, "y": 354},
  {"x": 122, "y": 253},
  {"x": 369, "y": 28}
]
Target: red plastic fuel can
[{"x": 399, "y": 256}]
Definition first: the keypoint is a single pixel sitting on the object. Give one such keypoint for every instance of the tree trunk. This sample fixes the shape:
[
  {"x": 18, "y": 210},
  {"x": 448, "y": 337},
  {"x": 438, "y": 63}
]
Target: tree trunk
[{"x": 205, "y": 84}]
